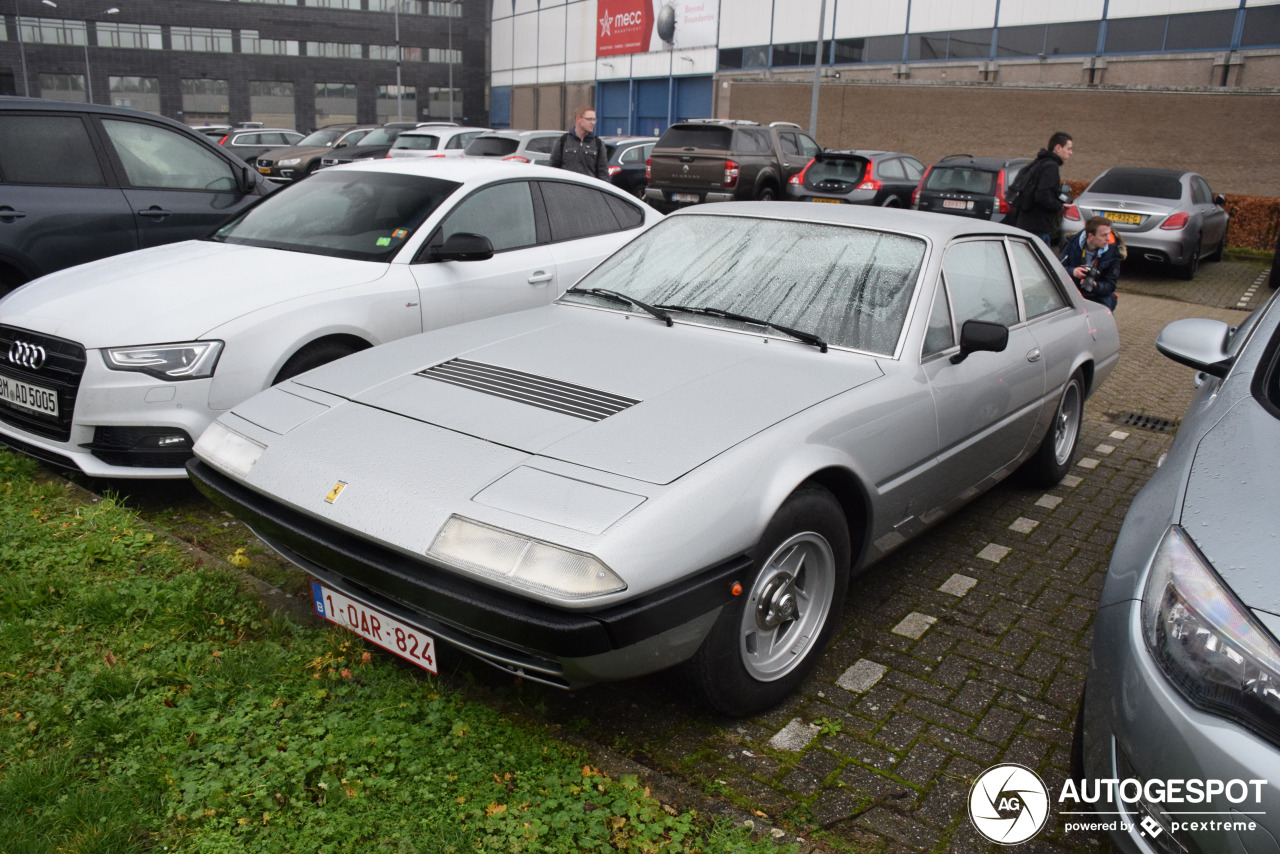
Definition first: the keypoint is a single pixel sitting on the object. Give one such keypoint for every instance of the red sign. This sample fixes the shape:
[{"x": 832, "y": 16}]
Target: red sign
[{"x": 624, "y": 26}]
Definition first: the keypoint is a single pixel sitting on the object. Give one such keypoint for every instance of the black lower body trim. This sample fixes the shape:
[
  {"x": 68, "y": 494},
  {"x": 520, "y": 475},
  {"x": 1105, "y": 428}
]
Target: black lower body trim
[
  {"x": 38, "y": 453},
  {"x": 453, "y": 599}
]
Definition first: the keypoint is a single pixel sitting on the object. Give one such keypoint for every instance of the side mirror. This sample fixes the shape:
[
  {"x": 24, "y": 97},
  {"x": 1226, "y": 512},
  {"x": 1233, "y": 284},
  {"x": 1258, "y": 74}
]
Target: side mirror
[
  {"x": 464, "y": 247},
  {"x": 1065, "y": 189},
  {"x": 1219, "y": 200},
  {"x": 1197, "y": 343},
  {"x": 340, "y": 145},
  {"x": 981, "y": 335}
]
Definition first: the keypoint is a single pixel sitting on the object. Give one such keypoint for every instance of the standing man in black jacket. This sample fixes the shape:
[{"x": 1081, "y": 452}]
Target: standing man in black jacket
[
  {"x": 580, "y": 150},
  {"x": 1039, "y": 207}
]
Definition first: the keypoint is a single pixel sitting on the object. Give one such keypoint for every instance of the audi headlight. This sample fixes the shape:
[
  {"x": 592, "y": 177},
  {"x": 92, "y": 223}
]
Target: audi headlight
[
  {"x": 290, "y": 161},
  {"x": 1206, "y": 642},
  {"x": 226, "y": 449},
  {"x": 189, "y": 361},
  {"x": 486, "y": 550}
]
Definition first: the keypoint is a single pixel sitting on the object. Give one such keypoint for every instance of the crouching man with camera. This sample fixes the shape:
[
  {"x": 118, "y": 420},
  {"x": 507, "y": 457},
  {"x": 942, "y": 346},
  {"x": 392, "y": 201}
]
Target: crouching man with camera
[{"x": 1093, "y": 258}]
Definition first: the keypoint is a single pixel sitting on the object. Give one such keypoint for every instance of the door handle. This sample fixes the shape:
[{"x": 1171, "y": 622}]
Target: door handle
[
  {"x": 539, "y": 277},
  {"x": 154, "y": 212},
  {"x": 8, "y": 214},
  {"x": 1033, "y": 355}
]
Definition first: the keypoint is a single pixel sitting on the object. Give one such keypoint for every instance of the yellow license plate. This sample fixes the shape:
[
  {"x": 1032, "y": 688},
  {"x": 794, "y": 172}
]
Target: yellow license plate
[
  {"x": 265, "y": 170},
  {"x": 1130, "y": 218},
  {"x": 827, "y": 201}
]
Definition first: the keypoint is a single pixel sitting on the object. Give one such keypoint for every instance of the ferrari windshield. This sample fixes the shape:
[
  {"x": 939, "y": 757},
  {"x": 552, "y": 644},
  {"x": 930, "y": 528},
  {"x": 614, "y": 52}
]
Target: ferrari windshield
[
  {"x": 850, "y": 287},
  {"x": 347, "y": 214}
]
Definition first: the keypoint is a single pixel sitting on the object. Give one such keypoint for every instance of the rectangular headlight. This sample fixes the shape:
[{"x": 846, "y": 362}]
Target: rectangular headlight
[
  {"x": 228, "y": 450},
  {"x": 187, "y": 361},
  {"x": 486, "y": 550}
]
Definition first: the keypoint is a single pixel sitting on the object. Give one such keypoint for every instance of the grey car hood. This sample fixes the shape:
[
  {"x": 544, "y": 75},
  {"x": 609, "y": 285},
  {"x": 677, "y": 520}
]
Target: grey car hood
[
  {"x": 688, "y": 392},
  {"x": 1230, "y": 498}
]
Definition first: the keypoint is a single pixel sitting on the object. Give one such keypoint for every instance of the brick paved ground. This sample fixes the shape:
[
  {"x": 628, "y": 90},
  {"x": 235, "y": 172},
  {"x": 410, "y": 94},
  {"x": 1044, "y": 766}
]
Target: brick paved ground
[{"x": 963, "y": 650}]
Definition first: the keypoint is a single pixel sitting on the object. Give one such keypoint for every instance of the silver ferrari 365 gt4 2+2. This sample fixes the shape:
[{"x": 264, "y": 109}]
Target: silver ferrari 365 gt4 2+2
[{"x": 682, "y": 459}]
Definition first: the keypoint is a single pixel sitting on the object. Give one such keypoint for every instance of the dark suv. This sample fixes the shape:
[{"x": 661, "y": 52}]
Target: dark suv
[
  {"x": 80, "y": 182},
  {"x": 965, "y": 185},
  {"x": 722, "y": 160}
]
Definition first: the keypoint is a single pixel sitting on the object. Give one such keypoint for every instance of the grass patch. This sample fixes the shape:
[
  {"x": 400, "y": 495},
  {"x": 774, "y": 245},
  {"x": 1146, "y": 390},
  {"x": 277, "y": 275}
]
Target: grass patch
[{"x": 147, "y": 704}]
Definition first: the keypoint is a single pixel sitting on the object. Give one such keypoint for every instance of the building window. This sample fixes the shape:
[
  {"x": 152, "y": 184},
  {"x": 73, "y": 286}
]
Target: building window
[
  {"x": 270, "y": 89},
  {"x": 745, "y": 57},
  {"x": 138, "y": 93},
  {"x": 251, "y": 42},
  {"x": 1068, "y": 39},
  {"x": 957, "y": 44},
  {"x": 436, "y": 54},
  {"x": 204, "y": 101},
  {"x": 334, "y": 4},
  {"x": 62, "y": 87},
  {"x": 1133, "y": 35},
  {"x": 335, "y": 103},
  {"x": 388, "y": 51},
  {"x": 796, "y": 53},
  {"x": 438, "y": 100},
  {"x": 201, "y": 39},
  {"x": 871, "y": 49},
  {"x": 1021, "y": 41},
  {"x": 137, "y": 36},
  {"x": 1261, "y": 26},
  {"x": 335, "y": 50},
  {"x": 52, "y": 31},
  {"x": 390, "y": 108},
  {"x": 335, "y": 90},
  {"x": 274, "y": 2},
  {"x": 407, "y": 7},
  {"x": 445, "y": 10},
  {"x": 1200, "y": 30}
]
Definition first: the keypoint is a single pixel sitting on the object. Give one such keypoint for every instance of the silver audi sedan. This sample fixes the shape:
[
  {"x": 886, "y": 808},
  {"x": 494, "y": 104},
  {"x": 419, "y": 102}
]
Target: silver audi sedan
[
  {"x": 684, "y": 458},
  {"x": 1167, "y": 216},
  {"x": 1183, "y": 691}
]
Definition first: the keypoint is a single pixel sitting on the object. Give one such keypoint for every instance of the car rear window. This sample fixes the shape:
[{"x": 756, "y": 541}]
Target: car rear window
[
  {"x": 1134, "y": 184},
  {"x": 714, "y": 137},
  {"x": 491, "y": 146},
  {"x": 366, "y": 216},
  {"x": 417, "y": 142},
  {"x": 961, "y": 179},
  {"x": 847, "y": 170}
]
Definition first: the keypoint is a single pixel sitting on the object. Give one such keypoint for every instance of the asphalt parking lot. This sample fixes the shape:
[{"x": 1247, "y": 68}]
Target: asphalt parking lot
[{"x": 964, "y": 650}]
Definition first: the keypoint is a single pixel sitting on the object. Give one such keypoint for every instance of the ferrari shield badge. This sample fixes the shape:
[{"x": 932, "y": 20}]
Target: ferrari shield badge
[{"x": 335, "y": 492}]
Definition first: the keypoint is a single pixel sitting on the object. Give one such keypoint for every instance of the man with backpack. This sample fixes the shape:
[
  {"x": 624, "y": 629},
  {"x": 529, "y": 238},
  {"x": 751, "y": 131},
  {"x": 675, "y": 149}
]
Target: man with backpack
[
  {"x": 580, "y": 150},
  {"x": 1035, "y": 204}
]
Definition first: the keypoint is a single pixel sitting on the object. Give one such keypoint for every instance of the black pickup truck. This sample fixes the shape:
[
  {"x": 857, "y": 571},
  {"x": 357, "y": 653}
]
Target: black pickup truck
[{"x": 721, "y": 160}]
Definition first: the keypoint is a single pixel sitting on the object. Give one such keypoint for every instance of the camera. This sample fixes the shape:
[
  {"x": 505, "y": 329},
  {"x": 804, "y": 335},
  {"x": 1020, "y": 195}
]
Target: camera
[{"x": 1089, "y": 281}]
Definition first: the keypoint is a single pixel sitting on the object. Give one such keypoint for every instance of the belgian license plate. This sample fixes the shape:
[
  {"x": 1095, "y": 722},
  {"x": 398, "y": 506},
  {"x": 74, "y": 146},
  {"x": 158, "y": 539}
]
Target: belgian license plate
[
  {"x": 1130, "y": 218},
  {"x": 375, "y": 627},
  {"x": 684, "y": 197},
  {"x": 827, "y": 201},
  {"x": 30, "y": 397},
  {"x": 955, "y": 204},
  {"x": 265, "y": 170}
]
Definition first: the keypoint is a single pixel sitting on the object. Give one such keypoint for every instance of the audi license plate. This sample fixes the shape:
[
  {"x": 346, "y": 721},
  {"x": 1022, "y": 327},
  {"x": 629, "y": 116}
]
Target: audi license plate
[
  {"x": 1130, "y": 218},
  {"x": 32, "y": 398},
  {"x": 956, "y": 204},
  {"x": 685, "y": 197},
  {"x": 376, "y": 627}
]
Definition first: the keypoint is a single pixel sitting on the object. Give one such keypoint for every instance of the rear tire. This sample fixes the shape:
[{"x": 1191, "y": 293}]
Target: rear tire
[
  {"x": 1052, "y": 460},
  {"x": 768, "y": 639},
  {"x": 313, "y": 356},
  {"x": 1219, "y": 252},
  {"x": 1188, "y": 270}
]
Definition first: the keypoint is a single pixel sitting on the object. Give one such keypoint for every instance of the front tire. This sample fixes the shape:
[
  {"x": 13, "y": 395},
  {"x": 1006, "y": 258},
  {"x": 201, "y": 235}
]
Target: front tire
[
  {"x": 313, "y": 356},
  {"x": 1052, "y": 460},
  {"x": 767, "y": 194},
  {"x": 768, "y": 639}
]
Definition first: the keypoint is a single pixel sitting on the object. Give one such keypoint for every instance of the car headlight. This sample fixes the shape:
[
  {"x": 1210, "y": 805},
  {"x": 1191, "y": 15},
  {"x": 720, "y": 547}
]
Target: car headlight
[
  {"x": 189, "y": 361},
  {"x": 290, "y": 161},
  {"x": 226, "y": 449},
  {"x": 484, "y": 549},
  {"x": 1206, "y": 642}
]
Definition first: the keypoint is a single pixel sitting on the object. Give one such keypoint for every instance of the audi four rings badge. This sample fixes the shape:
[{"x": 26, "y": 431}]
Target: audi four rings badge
[{"x": 26, "y": 355}]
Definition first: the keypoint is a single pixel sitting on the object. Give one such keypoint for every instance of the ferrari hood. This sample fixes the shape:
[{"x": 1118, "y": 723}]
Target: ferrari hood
[
  {"x": 621, "y": 394},
  {"x": 1226, "y": 492},
  {"x": 177, "y": 292}
]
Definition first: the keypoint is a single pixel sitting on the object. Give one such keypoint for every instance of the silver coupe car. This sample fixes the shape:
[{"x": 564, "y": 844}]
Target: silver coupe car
[
  {"x": 684, "y": 458},
  {"x": 1183, "y": 691}
]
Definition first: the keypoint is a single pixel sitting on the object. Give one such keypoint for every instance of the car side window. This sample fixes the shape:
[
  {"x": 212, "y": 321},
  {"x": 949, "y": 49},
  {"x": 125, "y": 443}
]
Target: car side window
[
  {"x": 914, "y": 168},
  {"x": 808, "y": 147},
  {"x": 941, "y": 335},
  {"x": 634, "y": 154},
  {"x": 980, "y": 282},
  {"x": 1200, "y": 187},
  {"x": 503, "y": 213},
  {"x": 158, "y": 158},
  {"x": 48, "y": 150},
  {"x": 542, "y": 145},
  {"x": 892, "y": 169},
  {"x": 1039, "y": 293},
  {"x": 751, "y": 141},
  {"x": 789, "y": 143},
  {"x": 575, "y": 211}
]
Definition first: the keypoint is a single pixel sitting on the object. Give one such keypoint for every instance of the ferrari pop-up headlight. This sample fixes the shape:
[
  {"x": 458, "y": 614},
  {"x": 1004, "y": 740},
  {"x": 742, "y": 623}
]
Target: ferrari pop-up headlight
[
  {"x": 226, "y": 449},
  {"x": 486, "y": 550}
]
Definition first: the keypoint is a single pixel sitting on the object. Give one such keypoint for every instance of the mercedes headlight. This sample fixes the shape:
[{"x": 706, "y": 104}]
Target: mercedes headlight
[
  {"x": 290, "y": 161},
  {"x": 189, "y": 361},
  {"x": 486, "y": 550},
  {"x": 224, "y": 448},
  {"x": 1206, "y": 642}
]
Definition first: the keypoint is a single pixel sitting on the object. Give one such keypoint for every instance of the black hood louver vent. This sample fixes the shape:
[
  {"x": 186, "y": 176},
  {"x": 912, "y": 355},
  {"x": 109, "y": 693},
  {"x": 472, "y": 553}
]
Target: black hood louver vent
[{"x": 588, "y": 404}]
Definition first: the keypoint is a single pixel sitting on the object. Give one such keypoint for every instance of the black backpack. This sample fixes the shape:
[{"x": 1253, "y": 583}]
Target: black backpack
[{"x": 1019, "y": 193}]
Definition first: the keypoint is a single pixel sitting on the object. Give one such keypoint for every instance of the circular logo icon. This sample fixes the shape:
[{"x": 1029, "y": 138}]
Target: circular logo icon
[{"x": 1008, "y": 804}]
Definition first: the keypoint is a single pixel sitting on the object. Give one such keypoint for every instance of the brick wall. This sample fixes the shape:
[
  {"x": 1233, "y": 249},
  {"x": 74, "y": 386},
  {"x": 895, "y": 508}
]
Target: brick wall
[{"x": 1226, "y": 137}]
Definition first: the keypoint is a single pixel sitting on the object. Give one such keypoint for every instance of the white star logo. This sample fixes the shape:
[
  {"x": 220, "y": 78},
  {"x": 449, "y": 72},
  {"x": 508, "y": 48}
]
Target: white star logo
[{"x": 604, "y": 23}]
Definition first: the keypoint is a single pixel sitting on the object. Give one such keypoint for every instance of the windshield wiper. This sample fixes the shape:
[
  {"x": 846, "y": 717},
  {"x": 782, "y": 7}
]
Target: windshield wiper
[
  {"x": 619, "y": 297},
  {"x": 806, "y": 337}
]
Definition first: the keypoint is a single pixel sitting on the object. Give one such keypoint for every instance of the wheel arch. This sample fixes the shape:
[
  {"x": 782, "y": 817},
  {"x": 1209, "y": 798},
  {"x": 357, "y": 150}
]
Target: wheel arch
[
  {"x": 346, "y": 339},
  {"x": 850, "y": 493}
]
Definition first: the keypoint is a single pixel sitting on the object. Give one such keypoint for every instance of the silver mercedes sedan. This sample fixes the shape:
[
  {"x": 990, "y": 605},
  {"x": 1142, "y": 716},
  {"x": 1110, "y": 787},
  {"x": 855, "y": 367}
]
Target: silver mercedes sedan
[
  {"x": 1181, "y": 707},
  {"x": 684, "y": 458}
]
